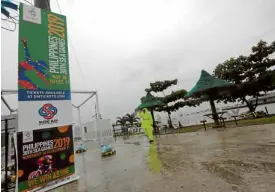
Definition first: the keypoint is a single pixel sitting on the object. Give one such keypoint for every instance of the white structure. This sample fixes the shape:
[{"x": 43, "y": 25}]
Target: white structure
[
  {"x": 91, "y": 94},
  {"x": 97, "y": 130},
  {"x": 77, "y": 131},
  {"x": 12, "y": 121},
  {"x": 12, "y": 127}
]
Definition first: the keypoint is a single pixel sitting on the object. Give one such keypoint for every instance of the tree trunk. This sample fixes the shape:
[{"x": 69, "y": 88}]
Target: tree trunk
[
  {"x": 170, "y": 120},
  {"x": 256, "y": 104},
  {"x": 152, "y": 113},
  {"x": 250, "y": 106},
  {"x": 169, "y": 115},
  {"x": 214, "y": 112}
]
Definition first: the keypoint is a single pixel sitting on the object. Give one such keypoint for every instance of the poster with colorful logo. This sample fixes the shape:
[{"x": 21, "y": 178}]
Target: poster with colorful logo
[
  {"x": 43, "y": 70},
  {"x": 45, "y": 157}
]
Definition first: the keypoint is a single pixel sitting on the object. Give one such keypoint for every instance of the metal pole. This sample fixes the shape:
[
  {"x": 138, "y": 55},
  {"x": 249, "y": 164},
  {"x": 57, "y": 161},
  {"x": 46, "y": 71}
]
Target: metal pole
[
  {"x": 79, "y": 116},
  {"x": 86, "y": 100},
  {"x": 42, "y": 4},
  {"x": 97, "y": 106},
  {"x": 6, "y": 153},
  {"x": 6, "y": 103},
  {"x": 81, "y": 129},
  {"x": 98, "y": 117},
  {"x": 95, "y": 112}
]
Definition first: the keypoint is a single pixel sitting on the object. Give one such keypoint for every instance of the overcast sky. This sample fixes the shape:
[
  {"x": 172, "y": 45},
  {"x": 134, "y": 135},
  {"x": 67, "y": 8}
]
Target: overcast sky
[{"x": 123, "y": 45}]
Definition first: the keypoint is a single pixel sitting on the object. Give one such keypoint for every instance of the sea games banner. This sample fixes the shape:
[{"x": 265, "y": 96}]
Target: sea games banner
[
  {"x": 45, "y": 157},
  {"x": 43, "y": 77}
]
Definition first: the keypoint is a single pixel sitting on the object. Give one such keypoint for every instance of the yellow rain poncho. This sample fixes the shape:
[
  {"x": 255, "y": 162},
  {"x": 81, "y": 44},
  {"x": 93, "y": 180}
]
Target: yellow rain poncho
[{"x": 146, "y": 123}]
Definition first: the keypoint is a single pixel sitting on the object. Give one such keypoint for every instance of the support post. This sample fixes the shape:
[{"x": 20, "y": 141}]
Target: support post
[
  {"x": 152, "y": 113},
  {"x": 98, "y": 117},
  {"x": 266, "y": 111},
  {"x": 170, "y": 120},
  {"x": 214, "y": 111},
  {"x": 6, "y": 154},
  {"x": 6, "y": 103},
  {"x": 154, "y": 123},
  {"x": 79, "y": 116},
  {"x": 235, "y": 119},
  {"x": 97, "y": 106},
  {"x": 114, "y": 132},
  {"x": 203, "y": 121},
  {"x": 86, "y": 100}
]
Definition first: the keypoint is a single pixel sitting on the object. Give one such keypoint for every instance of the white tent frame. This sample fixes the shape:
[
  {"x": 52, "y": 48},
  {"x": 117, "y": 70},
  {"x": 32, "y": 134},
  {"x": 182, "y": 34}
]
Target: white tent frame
[{"x": 90, "y": 93}]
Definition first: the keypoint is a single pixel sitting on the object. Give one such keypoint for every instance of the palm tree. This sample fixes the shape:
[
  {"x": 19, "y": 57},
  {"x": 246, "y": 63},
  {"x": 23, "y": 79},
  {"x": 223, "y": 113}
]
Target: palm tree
[
  {"x": 121, "y": 121},
  {"x": 131, "y": 118}
]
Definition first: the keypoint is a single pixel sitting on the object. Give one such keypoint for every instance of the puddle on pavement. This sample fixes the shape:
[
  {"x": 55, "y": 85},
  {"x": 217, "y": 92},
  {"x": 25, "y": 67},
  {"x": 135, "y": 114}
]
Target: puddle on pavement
[
  {"x": 134, "y": 143},
  {"x": 135, "y": 164},
  {"x": 153, "y": 159}
]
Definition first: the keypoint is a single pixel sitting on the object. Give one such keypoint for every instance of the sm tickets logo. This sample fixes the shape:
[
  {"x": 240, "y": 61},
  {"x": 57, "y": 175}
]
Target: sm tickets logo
[{"x": 48, "y": 111}]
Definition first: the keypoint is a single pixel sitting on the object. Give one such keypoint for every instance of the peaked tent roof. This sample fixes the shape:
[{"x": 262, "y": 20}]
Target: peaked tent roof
[
  {"x": 149, "y": 97},
  {"x": 149, "y": 101},
  {"x": 208, "y": 83}
]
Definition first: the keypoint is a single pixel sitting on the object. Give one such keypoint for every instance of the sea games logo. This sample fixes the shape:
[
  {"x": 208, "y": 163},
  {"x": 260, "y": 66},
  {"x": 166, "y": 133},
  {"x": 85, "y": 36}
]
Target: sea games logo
[{"x": 48, "y": 111}]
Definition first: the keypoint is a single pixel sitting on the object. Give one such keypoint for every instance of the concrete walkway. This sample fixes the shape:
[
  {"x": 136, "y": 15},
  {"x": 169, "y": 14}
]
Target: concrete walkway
[{"x": 234, "y": 159}]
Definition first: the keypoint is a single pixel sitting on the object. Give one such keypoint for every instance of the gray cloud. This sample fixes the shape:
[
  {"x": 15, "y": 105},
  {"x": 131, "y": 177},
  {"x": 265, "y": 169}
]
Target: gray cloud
[{"x": 123, "y": 48}]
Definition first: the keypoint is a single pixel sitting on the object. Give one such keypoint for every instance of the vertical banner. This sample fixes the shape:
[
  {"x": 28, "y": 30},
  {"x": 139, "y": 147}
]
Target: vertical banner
[
  {"x": 45, "y": 157},
  {"x": 44, "y": 143},
  {"x": 44, "y": 97}
]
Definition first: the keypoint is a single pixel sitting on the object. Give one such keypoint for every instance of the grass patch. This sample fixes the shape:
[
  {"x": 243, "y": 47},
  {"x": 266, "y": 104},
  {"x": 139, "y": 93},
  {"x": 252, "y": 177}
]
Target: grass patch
[
  {"x": 190, "y": 129},
  {"x": 259, "y": 121},
  {"x": 231, "y": 123}
]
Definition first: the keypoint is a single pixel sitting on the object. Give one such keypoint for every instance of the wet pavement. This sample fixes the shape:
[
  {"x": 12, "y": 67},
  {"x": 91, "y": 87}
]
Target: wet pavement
[{"x": 234, "y": 159}]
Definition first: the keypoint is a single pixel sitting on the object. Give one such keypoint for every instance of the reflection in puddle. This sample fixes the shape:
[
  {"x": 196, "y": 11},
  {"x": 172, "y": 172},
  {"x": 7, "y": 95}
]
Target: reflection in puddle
[{"x": 154, "y": 161}]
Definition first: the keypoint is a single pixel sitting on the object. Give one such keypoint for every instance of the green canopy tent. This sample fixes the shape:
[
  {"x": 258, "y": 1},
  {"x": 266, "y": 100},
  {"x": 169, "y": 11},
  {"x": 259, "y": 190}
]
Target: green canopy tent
[
  {"x": 150, "y": 102},
  {"x": 210, "y": 87}
]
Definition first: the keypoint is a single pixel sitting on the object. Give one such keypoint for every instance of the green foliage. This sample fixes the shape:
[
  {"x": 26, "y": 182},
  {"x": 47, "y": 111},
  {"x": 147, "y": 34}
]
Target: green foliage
[
  {"x": 179, "y": 104},
  {"x": 174, "y": 96},
  {"x": 131, "y": 118},
  {"x": 128, "y": 118},
  {"x": 174, "y": 101},
  {"x": 160, "y": 86},
  {"x": 142, "y": 99},
  {"x": 232, "y": 69},
  {"x": 121, "y": 121},
  {"x": 252, "y": 74}
]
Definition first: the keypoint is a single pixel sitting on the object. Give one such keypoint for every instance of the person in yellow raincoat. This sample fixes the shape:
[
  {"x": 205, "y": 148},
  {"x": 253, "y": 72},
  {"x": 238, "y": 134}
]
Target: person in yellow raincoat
[{"x": 147, "y": 123}]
